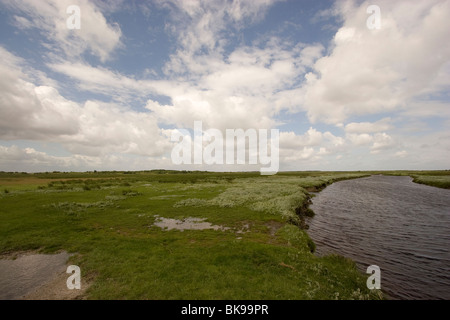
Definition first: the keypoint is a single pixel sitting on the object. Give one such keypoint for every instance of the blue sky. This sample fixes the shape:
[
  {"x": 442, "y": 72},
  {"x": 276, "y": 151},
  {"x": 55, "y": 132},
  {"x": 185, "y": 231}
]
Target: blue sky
[{"x": 109, "y": 95}]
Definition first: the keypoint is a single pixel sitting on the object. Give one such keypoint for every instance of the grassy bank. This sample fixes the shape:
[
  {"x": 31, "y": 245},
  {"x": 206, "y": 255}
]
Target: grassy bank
[
  {"x": 261, "y": 250},
  {"x": 434, "y": 178},
  {"x": 440, "y": 181}
]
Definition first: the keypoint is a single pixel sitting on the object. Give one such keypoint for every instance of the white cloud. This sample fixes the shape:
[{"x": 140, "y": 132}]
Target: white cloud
[
  {"x": 401, "y": 69},
  {"x": 313, "y": 138},
  {"x": 335, "y": 141},
  {"x": 95, "y": 128},
  {"x": 423, "y": 108},
  {"x": 96, "y": 35},
  {"x": 106, "y": 128},
  {"x": 313, "y": 145},
  {"x": 29, "y": 159},
  {"x": 14, "y": 158},
  {"x": 323, "y": 151},
  {"x": 401, "y": 154},
  {"x": 104, "y": 81},
  {"x": 22, "y": 22},
  {"x": 290, "y": 140},
  {"x": 382, "y": 141},
  {"x": 367, "y": 127},
  {"x": 242, "y": 89},
  {"x": 246, "y": 90},
  {"x": 375, "y": 71},
  {"x": 28, "y": 111},
  {"x": 360, "y": 139},
  {"x": 200, "y": 25}
]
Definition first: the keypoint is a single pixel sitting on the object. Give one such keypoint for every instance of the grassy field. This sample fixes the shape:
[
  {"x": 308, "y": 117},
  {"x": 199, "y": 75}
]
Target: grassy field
[{"x": 260, "y": 251}]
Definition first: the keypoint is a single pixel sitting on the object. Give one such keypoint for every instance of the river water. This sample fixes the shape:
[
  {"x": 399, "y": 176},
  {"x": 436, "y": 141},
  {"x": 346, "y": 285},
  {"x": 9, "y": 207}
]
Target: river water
[{"x": 391, "y": 222}]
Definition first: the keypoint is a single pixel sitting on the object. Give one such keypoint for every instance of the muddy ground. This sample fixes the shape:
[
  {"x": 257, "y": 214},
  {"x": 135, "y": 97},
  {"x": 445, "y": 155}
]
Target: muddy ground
[{"x": 33, "y": 276}]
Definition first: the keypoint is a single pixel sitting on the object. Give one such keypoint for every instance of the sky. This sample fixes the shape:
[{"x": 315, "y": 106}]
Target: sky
[{"x": 344, "y": 93}]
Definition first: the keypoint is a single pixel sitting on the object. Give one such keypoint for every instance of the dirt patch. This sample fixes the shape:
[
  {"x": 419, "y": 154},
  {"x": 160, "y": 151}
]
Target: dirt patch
[
  {"x": 36, "y": 276},
  {"x": 274, "y": 226},
  {"x": 56, "y": 289}
]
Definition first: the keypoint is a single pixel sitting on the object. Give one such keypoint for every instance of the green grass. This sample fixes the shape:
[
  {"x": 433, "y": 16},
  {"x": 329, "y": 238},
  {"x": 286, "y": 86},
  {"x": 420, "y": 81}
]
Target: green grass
[
  {"x": 439, "y": 181},
  {"x": 106, "y": 219}
]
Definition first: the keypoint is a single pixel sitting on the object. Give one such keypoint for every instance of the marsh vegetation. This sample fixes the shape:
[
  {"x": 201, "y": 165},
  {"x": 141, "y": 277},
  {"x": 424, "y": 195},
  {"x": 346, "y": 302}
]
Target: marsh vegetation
[{"x": 107, "y": 220}]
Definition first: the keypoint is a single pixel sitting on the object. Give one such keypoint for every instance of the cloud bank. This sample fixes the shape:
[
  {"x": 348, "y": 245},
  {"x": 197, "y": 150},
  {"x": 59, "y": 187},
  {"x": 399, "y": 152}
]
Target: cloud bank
[{"x": 362, "y": 99}]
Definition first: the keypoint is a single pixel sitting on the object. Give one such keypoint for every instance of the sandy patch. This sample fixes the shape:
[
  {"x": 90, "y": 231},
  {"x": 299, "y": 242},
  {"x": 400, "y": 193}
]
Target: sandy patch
[{"x": 56, "y": 289}]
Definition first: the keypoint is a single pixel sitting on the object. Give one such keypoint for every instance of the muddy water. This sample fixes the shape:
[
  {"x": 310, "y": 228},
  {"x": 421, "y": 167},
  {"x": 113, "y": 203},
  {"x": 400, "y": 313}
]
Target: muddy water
[
  {"x": 186, "y": 224},
  {"x": 25, "y": 274},
  {"x": 391, "y": 222}
]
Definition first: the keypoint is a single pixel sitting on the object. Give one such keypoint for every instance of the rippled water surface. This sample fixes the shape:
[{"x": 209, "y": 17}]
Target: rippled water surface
[{"x": 401, "y": 226}]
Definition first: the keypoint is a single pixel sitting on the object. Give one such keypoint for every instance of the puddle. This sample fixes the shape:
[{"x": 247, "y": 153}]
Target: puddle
[
  {"x": 244, "y": 229},
  {"x": 28, "y": 272},
  {"x": 186, "y": 224}
]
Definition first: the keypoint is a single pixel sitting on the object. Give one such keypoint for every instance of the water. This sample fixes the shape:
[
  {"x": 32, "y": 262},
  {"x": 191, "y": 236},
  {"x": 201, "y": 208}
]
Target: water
[
  {"x": 391, "y": 222},
  {"x": 27, "y": 273},
  {"x": 186, "y": 224}
]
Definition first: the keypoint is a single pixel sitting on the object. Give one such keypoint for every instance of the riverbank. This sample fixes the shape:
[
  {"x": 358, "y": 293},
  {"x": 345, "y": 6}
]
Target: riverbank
[
  {"x": 109, "y": 219},
  {"x": 393, "y": 223}
]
